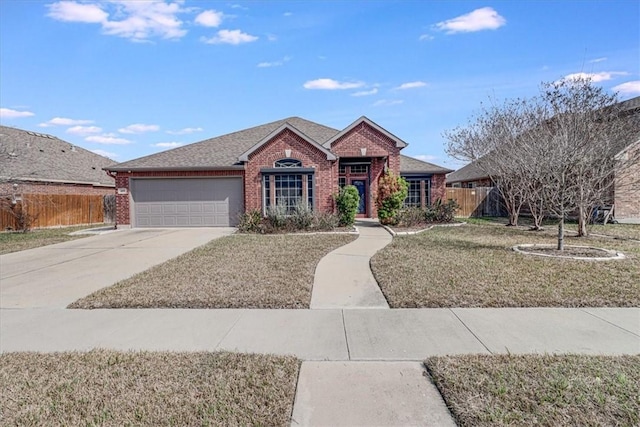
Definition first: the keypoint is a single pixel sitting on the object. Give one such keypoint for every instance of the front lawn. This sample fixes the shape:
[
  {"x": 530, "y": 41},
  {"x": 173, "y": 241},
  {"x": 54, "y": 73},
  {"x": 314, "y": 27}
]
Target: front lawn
[
  {"x": 474, "y": 266},
  {"x": 239, "y": 271},
  {"x": 501, "y": 390},
  {"x": 12, "y": 241},
  {"x": 146, "y": 388}
]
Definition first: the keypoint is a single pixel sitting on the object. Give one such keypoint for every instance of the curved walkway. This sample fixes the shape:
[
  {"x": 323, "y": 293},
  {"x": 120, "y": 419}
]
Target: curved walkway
[{"x": 343, "y": 278}]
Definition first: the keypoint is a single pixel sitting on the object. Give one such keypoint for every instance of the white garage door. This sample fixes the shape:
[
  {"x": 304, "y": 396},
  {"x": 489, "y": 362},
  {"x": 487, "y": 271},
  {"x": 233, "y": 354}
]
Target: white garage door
[{"x": 187, "y": 202}]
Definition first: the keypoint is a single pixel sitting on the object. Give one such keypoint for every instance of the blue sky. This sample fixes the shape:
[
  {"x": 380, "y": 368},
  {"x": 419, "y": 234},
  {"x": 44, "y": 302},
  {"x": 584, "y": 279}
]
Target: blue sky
[{"x": 131, "y": 78}]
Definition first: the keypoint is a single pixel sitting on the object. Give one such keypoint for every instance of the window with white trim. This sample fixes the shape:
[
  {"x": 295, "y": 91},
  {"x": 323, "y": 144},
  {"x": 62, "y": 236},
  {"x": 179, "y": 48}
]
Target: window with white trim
[{"x": 289, "y": 187}]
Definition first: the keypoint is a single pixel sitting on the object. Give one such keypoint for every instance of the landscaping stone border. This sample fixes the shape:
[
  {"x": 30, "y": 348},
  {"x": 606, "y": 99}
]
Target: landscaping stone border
[
  {"x": 410, "y": 233},
  {"x": 614, "y": 254}
]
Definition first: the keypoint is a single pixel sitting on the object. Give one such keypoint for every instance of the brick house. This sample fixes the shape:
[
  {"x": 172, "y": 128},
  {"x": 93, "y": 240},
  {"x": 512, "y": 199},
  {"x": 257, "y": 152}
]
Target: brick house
[{"x": 209, "y": 183}]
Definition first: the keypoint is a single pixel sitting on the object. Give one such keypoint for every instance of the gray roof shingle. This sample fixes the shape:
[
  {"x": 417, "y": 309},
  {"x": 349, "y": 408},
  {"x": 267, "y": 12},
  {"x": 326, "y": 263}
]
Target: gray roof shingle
[
  {"x": 222, "y": 152},
  {"x": 470, "y": 172},
  {"x": 411, "y": 165},
  {"x": 26, "y": 155}
]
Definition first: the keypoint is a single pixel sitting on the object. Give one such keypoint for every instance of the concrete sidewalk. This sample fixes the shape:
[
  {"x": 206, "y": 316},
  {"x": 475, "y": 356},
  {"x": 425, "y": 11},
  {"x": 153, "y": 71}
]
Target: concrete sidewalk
[
  {"x": 336, "y": 335},
  {"x": 343, "y": 278}
]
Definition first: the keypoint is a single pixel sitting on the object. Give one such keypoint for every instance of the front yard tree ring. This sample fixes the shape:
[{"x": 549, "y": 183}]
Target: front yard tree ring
[{"x": 583, "y": 253}]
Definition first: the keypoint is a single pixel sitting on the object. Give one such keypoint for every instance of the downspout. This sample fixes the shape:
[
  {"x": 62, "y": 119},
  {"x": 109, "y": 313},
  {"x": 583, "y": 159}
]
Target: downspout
[{"x": 113, "y": 175}]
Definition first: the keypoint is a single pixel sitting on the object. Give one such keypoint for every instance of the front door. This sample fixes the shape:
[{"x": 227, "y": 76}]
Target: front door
[{"x": 361, "y": 185}]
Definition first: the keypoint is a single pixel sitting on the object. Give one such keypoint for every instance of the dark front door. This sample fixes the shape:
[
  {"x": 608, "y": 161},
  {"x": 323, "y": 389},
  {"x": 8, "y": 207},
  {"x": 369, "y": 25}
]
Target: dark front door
[{"x": 361, "y": 185}]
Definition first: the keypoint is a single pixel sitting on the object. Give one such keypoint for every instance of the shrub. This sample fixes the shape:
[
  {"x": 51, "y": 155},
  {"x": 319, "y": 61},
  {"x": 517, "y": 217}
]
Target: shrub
[
  {"x": 250, "y": 222},
  {"x": 442, "y": 212},
  {"x": 325, "y": 221},
  {"x": 277, "y": 216},
  {"x": 411, "y": 217},
  {"x": 302, "y": 216},
  {"x": 347, "y": 201},
  {"x": 392, "y": 190}
]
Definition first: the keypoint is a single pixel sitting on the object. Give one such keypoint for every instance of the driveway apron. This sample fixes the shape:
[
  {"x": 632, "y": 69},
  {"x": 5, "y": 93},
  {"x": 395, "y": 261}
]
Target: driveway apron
[
  {"x": 55, "y": 276},
  {"x": 343, "y": 278}
]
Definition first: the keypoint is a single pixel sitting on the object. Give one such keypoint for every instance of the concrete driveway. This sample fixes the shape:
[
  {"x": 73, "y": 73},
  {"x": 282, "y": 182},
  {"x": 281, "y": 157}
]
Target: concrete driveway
[{"x": 54, "y": 276}]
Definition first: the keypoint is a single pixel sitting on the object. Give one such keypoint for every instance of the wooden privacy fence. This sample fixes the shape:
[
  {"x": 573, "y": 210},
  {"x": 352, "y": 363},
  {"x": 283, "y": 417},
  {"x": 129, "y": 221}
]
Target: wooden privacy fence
[
  {"x": 479, "y": 201},
  {"x": 51, "y": 210}
]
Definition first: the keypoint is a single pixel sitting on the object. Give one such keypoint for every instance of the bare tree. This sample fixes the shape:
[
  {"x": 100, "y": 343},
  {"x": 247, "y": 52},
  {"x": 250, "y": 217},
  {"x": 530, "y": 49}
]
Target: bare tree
[{"x": 555, "y": 152}]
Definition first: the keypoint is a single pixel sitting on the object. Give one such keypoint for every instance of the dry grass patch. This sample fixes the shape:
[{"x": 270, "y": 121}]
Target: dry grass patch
[
  {"x": 239, "y": 271},
  {"x": 500, "y": 390},
  {"x": 13, "y": 241},
  {"x": 474, "y": 266},
  {"x": 147, "y": 388}
]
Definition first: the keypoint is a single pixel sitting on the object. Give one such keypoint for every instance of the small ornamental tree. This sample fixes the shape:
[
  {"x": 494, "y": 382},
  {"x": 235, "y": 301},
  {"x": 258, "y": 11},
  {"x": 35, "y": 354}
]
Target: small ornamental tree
[
  {"x": 392, "y": 190},
  {"x": 347, "y": 202}
]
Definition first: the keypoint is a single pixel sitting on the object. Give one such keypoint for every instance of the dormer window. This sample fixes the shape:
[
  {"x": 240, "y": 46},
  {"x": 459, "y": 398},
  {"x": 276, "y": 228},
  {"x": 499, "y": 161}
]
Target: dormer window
[{"x": 288, "y": 163}]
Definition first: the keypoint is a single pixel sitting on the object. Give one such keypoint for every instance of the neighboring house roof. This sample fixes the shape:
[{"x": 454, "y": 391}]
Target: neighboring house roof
[
  {"x": 228, "y": 151},
  {"x": 411, "y": 165},
  {"x": 470, "y": 172},
  {"x": 32, "y": 156}
]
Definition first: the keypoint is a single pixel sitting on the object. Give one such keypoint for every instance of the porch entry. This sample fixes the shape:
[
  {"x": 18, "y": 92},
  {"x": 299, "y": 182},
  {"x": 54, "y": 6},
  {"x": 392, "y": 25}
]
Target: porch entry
[{"x": 357, "y": 173}]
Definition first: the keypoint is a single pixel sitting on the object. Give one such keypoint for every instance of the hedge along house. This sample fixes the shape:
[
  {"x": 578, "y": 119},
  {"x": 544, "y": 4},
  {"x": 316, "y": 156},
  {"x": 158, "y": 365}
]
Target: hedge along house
[{"x": 209, "y": 183}]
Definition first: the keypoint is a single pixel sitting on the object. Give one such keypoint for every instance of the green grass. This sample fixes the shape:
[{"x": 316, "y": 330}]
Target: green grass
[
  {"x": 502, "y": 390},
  {"x": 474, "y": 266},
  {"x": 239, "y": 271},
  {"x": 146, "y": 388},
  {"x": 12, "y": 241}
]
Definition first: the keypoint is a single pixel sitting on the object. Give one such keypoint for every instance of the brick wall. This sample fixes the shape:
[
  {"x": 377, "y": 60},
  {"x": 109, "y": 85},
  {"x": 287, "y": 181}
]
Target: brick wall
[
  {"x": 54, "y": 188},
  {"x": 326, "y": 171},
  {"x": 123, "y": 207},
  {"x": 627, "y": 184},
  {"x": 378, "y": 148},
  {"x": 438, "y": 187}
]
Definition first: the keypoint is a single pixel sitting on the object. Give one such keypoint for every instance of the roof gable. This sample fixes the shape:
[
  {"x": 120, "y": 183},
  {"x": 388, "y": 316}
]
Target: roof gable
[
  {"x": 244, "y": 157},
  {"x": 399, "y": 143}
]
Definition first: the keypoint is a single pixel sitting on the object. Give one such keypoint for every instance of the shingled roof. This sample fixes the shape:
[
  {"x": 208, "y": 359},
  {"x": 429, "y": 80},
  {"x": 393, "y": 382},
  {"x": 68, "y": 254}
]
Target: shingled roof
[
  {"x": 221, "y": 152},
  {"x": 470, "y": 172},
  {"x": 412, "y": 165},
  {"x": 32, "y": 156}
]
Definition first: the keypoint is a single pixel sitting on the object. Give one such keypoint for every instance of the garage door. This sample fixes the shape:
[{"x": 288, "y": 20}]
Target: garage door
[{"x": 187, "y": 202}]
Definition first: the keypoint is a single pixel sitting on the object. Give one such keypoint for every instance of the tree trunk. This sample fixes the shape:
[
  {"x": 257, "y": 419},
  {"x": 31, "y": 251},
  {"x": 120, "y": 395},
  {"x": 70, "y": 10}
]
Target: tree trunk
[
  {"x": 582, "y": 222},
  {"x": 561, "y": 234}
]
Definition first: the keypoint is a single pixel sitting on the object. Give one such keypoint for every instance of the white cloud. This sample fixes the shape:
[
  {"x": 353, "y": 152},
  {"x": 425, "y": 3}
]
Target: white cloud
[
  {"x": 108, "y": 139},
  {"x": 209, "y": 18},
  {"x": 411, "y": 85},
  {"x": 287, "y": 14},
  {"x": 136, "y": 20},
  {"x": 593, "y": 61},
  {"x": 426, "y": 37},
  {"x": 234, "y": 37},
  {"x": 184, "y": 131},
  {"x": 64, "y": 121},
  {"x": 330, "y": 84},
  {"x": 71, "y": 11},
  {"x": 274, "y": 63},
  {"x": 272, "y": 37},
  {"x": 105, "y": 153},
  {"x": 139, "y": 128},
  {"x": 167, "y": 144},
  {"x": 84, "y": 130},
  {"x": 628, "y": 88},
  {"x": 485, "y": 18},
  {"x": 426, "y": 157},
  {"x": 366, "y": 92},
  {"x": 595, "y": 77},
  {"x": 8, "y": 113},
  {"x": 387, "y": 102}
]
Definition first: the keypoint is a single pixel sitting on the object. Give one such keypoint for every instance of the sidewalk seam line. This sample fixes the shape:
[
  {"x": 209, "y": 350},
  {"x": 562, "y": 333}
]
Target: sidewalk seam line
[
  {"x": 217, "y": 347},
  {"x": 346, "y": 339},
  {"x": 470, "y": 331},
  {"x": 583, "y": 309}
]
